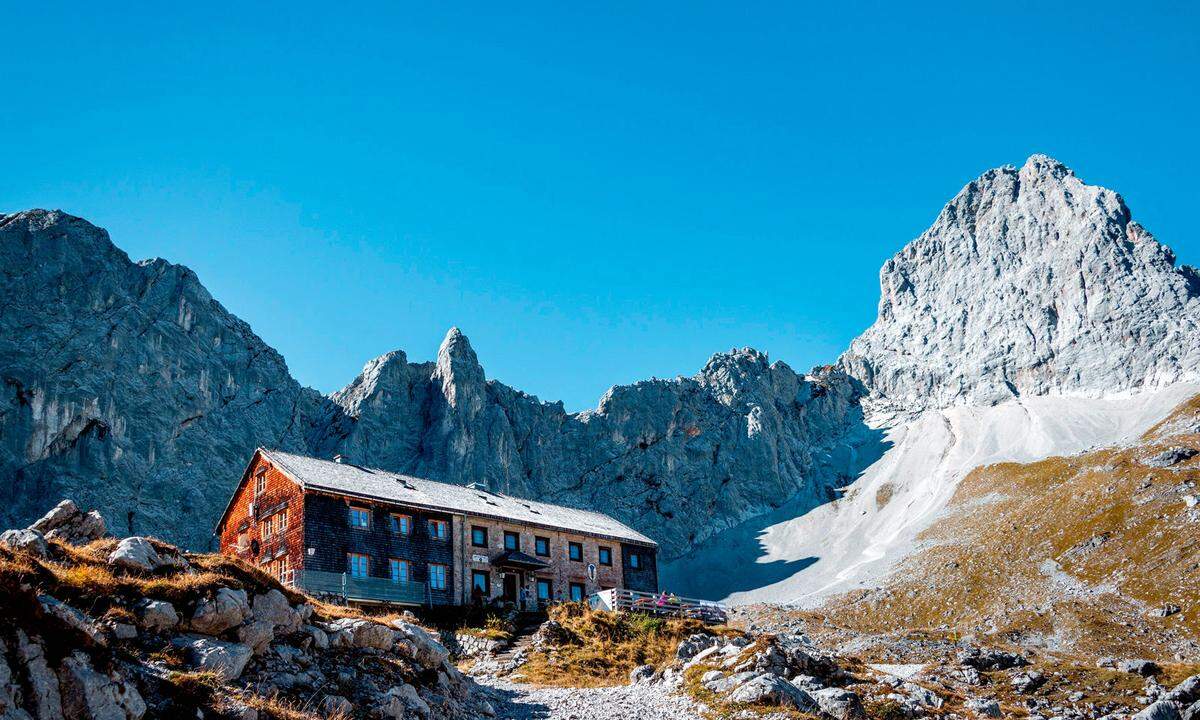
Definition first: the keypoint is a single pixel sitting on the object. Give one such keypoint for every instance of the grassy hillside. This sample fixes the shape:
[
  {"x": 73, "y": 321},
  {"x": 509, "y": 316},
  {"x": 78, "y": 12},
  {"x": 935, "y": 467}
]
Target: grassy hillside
[{"x": 1098, "y": 553}]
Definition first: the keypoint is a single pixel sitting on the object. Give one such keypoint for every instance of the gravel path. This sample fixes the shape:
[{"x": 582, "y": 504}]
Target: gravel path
[{"x": 514, "y": 701}]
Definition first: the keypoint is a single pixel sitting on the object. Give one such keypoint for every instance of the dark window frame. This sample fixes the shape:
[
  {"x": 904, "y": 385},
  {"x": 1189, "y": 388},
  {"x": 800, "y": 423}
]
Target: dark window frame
[
  {"x": 487, "y": 582},
  {"x": 538, "y": 541},
  {"x": 479, "y": 529},
  {"x": 394, "y": 523},
  {"x": 571, "y": 591},
  {"x": 515, "y": 537},
  {"x": 571, "y": 548},
  {"x": 635, "y": 560},
  {"x": 601, "y": 552},
  {"x": 435, "y": 522},
  {"x": 537, "y": 586}
]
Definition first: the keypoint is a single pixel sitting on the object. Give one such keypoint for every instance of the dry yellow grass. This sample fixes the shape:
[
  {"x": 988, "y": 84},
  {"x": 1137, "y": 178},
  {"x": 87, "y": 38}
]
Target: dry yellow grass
[
  {"x": 1067, "y": 552},
  {"x": 605, "y": 647}
]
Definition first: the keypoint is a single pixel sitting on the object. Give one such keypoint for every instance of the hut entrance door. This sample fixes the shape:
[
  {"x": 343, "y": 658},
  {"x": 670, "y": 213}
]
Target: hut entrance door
[{"x": 510, "y": 587}]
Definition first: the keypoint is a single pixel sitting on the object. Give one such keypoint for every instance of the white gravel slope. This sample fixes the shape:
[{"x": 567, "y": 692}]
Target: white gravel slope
[
  {"x": 853, "y": 542},
  {"x": 514, "y": 701}
]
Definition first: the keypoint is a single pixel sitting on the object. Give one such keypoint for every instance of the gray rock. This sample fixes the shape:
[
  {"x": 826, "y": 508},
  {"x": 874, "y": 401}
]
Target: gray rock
[
  {"x": 1192, "y": 712},
  {"x": 256, "y": 635},
  {"x": 67, "y": 523},
  {"x": 412, "y": 702},
  {"x": 773, "y": 690},
  {"x": 1186, "y": 692},
  {"x": 365, "y": 633},
  {"x": 641, "y": 674},
  {"x": 424, "y": 648},
  {"x": 691, "y": 646},
  {"x": 1171, "y": 456},
  {"x": 73, "y": 619},
  {"x": 10, "y": 690},
  {"x": 226, "y": 659},
  {"x": 1145, "y": 668},
  {"x": 273, "y": 607},
  {"x": 990, "y": 273},
  {"x": 43, "y": 685},
  {"x": 226, "y": 609},
  {"x": 839, "y": 703},
  {"x": 1161, "y": 710},
  {"x": 332, "y": 705},
  {"x": 984, "y": 706},
  {"x": 29, "y": 541},
  {"x": 90, "y": 695},
  {"x": 138, "y": 553},
  {"x": 320, "y": 639},
  {"x": 156, "y": 615},
  {"x": 724, "y": 684}
]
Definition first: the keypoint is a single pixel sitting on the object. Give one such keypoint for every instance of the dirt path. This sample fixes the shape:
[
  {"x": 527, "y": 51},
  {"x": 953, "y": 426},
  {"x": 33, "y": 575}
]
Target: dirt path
[{"x": 514, "y": 701}]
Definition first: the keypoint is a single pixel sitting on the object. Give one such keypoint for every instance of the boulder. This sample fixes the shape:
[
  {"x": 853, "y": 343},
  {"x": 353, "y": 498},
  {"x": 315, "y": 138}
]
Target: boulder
[
  {"x": 1145, "y": 668},
  {"x": 73, "y": 619},
  {"x": 156, "y": 615},
  {"x": 138, "y": 553},
  {"x": 1186, "y": 692},
  {"x": 65, "y": 522},
  {"x": 226, "y": 609},
  {"x": 773, "y": 690},
  {"x": 28, "y": 541},
  {"x": 985, "y": 659},
  {"x": 319, "y": 638},
  {"x": 273, "y": 607},
  {"x": 365, "y": 633},
  {"x": 90, "y": 695},
  {"x": 256, "y": 635},
  {"x": 984, "y": 707},
  {"x": 1192, "y": 712},
  {"x": 332, "y": 705},
  {"x": 1161, "y": 710},
  {"x": 412, "y": 702},
  {"x": 641, "y": 674},
  {"x": 43, "y": 685},
  {"x": 1027, "y": 682},
  {"x": 226, "y": 659},
  {"x": 694, "y": 644},
  {"x": 723, "y": 684},
  {"x": 839, "y": 703},
  {"x": 1170, "y": 456},
  {"x": 10, "y": 690},
  {"x": 425, "y": 649}
]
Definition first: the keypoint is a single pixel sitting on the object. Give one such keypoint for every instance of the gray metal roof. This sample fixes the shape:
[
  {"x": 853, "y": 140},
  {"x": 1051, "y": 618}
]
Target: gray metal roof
[{"x": 349, "y": 479}]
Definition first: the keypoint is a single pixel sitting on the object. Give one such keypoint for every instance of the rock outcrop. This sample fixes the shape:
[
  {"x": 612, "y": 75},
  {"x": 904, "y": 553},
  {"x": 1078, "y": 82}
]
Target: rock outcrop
[
  {"x": 1029, "y": 282},
  {"x": 89, "y": 635},
  {"x": 737, "y": 439},
  {"x": 126, "y": 385}
]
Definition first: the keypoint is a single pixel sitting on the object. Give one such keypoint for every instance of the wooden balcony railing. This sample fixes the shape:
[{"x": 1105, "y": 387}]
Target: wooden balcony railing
[{"x": 621, "y": 600}]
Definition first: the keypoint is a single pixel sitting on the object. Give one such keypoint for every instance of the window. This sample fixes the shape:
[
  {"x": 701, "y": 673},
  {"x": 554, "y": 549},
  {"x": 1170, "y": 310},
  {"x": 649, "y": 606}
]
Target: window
[
  {"x": 260, "y": 483},
  {"x": 439, "y": 529},
  {"x": 576, "y": 592},
  {"x": 541, "y": 546},
  {"x": 512, "y": 540},
  {"x": 359, "y": 565},
  {"x": 401, "y": 524},
  {"x": 605, "y": 556},
  {"x": 635, "y": 560},
  {"x": 482, "y": 581},
  {"x": 360, "y": 517},
  {"x": 278, "y": 569},
  {"x": 399, "y": 570},
  {"x": 243, "y": 540},
  {"x": 479, "y": 536},
  {"x": 274, "y": 525},
  {"x": 265, "y": 528},
  {"x": 543, "y": 589},
  {"x": 575, "y": 551},
  {"x": 437, "y": 576}
]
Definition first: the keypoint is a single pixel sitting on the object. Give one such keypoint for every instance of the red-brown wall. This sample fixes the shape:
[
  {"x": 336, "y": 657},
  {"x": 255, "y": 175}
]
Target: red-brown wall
[{"x": 279, "y": 490}]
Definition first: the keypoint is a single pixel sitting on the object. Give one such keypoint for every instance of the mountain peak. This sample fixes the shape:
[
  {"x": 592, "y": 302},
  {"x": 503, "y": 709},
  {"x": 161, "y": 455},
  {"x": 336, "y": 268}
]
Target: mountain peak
[{"x": 1029, "y": 282}]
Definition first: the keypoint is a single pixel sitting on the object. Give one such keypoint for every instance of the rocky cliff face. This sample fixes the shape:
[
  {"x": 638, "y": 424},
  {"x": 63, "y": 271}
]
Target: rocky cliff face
[
  {"x": 678, "y": 459},
  {"x": 1029, "y": 282},
  {"x": 126, "y": 385}
]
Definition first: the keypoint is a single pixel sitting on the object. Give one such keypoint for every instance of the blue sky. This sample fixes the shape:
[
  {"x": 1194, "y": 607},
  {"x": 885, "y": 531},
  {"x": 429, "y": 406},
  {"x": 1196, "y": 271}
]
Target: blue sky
[{"x": 595, "y": 195}]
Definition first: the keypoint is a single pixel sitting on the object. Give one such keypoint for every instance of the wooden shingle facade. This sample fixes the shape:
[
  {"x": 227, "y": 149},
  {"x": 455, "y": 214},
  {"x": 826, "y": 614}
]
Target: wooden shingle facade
[{"x": 373, "y": 536}]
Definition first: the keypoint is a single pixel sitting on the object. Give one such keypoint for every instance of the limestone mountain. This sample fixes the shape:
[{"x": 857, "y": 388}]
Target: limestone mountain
[
  {"x": 129, "y": 387},
  {"x": 126, "y": 385},
  {"x": 1030, "y": 282}
]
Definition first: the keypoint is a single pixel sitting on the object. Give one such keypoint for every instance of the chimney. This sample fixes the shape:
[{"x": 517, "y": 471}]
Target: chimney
[{"x": 339, "y": 458}]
